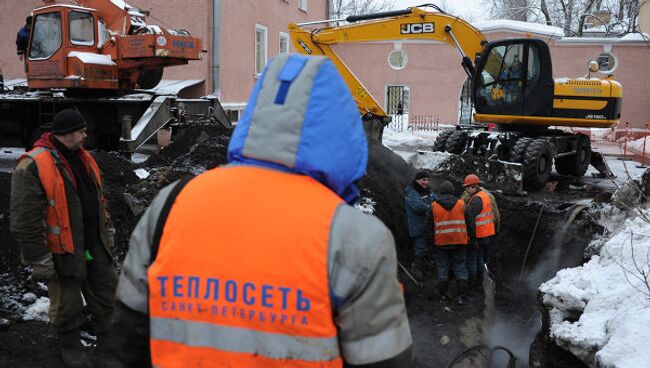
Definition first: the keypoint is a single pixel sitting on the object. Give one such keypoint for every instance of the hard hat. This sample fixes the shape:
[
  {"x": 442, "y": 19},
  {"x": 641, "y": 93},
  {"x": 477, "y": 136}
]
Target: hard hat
[{"x": 471, "y": 179}]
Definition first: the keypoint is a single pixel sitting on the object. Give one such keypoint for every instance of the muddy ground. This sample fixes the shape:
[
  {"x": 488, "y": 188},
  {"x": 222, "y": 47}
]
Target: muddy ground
[{"x": 436, "y": 326}]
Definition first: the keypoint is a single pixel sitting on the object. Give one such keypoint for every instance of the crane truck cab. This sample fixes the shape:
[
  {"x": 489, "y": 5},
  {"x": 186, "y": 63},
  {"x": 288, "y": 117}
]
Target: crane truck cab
[{"x": 512, "y": 86}]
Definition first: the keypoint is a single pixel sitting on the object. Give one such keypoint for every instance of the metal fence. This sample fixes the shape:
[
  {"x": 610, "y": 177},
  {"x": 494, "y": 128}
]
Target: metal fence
[
  {"x": 414, "y": 122},
  {"x": 622, "y": 141}
]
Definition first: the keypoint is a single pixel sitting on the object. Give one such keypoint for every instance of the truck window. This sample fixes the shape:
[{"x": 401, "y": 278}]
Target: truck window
[
  {"x": 82, "y": 30},
  {"x": 46, "y": 39}
]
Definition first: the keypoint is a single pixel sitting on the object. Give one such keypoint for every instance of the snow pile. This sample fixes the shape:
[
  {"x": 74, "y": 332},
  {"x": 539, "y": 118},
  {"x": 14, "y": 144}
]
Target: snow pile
[
  {"x": 601, "y": 311},
  {"x": 408, "y": 140},
  {"x": 38, "y": 310}
]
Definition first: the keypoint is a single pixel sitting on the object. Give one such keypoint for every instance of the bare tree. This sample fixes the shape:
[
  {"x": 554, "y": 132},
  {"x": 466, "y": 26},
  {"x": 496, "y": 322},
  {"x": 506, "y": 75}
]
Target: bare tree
[
  {"x": 343, "y": 8},
  {"x": 570, "y": 15}
]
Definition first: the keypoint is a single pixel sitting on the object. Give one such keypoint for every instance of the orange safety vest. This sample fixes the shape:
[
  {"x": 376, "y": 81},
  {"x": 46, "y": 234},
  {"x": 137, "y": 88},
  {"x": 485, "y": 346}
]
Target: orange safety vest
[
  {"x": 485, "y": 219},
  {"x": 240, "y": 281},
  {"x": 449, "y": 226},
  {"x": 57, "y": 218}
]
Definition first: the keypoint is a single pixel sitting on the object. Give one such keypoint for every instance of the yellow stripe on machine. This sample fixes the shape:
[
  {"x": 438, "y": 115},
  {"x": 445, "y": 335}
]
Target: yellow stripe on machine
[
  {"x": 561, "y": 103},
  {"x": 544, "y": 121}
]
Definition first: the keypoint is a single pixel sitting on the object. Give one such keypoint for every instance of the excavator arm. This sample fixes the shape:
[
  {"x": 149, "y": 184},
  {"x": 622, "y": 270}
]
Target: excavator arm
[{"x": 410, "y": 24}]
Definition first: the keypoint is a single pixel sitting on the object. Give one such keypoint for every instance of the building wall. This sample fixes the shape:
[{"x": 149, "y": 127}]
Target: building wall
[
  {"x": 238, "y": 22},
  {"x": 644, "y": 16}
]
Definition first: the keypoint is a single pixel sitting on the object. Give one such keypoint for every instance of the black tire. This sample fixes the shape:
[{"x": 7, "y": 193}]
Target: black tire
[
  {"x": 538, "y": 162},
  {"x": 519, "y": 150},
  {"x": 441, "y": 140},
  {"x": 456, "y": 142},
  {"x": 150, "y": 78},
  {"x": 576, "y": 165}
]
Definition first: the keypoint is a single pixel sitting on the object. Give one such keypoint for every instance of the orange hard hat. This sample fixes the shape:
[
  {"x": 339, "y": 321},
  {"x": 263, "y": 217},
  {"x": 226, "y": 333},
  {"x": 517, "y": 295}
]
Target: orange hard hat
[{"x": 471, "y": 179}]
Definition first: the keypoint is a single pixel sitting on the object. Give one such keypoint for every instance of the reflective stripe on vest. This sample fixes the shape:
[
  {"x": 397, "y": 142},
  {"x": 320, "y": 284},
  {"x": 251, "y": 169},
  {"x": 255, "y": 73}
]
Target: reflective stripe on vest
[
  {"x": 57, "y": 218},
  {"x": 485, "y": 219},
  {"x": 449, "y": 226},
  {"x": 243, "y": 279}
]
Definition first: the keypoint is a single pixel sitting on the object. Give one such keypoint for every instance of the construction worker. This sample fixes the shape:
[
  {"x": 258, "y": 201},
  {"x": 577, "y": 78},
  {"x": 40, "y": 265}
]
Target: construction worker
[
  {"x": 418, "y": 197},
  {"x": 450, "y": 230},
  {"x": 22, "y": 38},
  {"x": 59, "y": 218},
  {"x": 484, "y": 210},
  {"x": 225, "y": 272}
]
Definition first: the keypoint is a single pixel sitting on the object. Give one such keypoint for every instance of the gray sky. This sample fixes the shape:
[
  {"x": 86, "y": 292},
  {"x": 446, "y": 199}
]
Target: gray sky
[{"x": 471, "y": 10}]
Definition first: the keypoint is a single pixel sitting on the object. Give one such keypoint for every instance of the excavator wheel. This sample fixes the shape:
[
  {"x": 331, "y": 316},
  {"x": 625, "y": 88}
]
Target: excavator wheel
[
  {"x": 456, "y": 142},
  {"x": 441, "y": 140},
  {"x": 519, "y": 150},
  {"x": 576, "y": 165},
  {"x": 150, "y": 78},
  {"x": 538, "y": 162}
]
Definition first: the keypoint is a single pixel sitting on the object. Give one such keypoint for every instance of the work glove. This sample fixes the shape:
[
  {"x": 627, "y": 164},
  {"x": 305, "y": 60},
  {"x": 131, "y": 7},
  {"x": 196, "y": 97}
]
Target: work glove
[{"x": 43, "y": 269}]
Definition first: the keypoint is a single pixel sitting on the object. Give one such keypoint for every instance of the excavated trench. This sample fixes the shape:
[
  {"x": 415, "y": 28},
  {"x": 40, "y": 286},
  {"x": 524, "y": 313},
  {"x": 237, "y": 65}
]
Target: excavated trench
[{"x": 508, "y": 317}]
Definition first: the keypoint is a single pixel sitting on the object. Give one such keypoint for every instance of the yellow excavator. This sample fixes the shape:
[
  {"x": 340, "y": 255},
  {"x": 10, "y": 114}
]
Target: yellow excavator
[{"x": 512, "y": 87}]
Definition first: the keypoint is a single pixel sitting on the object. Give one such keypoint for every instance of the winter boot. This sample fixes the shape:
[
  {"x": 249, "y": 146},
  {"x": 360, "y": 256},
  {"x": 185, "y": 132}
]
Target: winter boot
[
  {"x": 72, "y": 353},
  {"x": 417, "y": 269},
  {"x": 443, "y": 288},
  {"x": 462, "y": 292}
]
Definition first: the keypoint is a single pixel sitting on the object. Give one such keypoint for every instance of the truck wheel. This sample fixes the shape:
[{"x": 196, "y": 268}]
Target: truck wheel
[
  {"x": 441, "y": 140},
  {"x": 150, "y": 78},
  {"x": 456, "y": 142},
  {"x": 576, "y": 165},
  {"x": 519, "y": 150},
  {"x": 538, "y": 162}
]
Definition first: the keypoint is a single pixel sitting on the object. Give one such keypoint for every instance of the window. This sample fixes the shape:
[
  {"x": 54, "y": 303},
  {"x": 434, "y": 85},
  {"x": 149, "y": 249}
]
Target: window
[
  {"x": 102, "y": 34},
  {"x": 502, "y": 77},
  {"x": 47, "y": 36},
  {"x": 606, "y": 62},
  {"x": 260, "y": 48},
  {"x": 302, "y": 5},
  {"x": 284, "y": 43},
  {"x": 82, "y": 30},
  {"x": 397, "y": 59}
]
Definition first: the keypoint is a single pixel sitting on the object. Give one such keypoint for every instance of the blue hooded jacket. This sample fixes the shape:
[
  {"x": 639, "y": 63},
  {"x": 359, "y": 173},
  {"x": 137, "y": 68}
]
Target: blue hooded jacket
[{"x": 301, "y": 118}]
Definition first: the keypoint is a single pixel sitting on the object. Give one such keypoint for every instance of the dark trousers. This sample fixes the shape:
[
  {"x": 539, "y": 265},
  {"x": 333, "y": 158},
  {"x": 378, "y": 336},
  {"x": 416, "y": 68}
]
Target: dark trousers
[
  {"x": 477, "y": 256},
  {"x": 98, "y": 289},
  {"x": 453, "y": 259}
]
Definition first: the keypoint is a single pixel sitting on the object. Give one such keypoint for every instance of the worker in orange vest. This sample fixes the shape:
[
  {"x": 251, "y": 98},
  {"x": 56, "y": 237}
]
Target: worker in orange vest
[
  {"x": 60, "y": 220},
  {"x": 450, "y": 230},
  {"x": 225, "y": 272},
  {"x": 484, "y": 210}
]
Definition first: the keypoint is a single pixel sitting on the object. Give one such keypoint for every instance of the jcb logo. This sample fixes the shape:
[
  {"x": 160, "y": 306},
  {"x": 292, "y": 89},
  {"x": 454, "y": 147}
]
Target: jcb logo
[{"x": 415, "y": 28}]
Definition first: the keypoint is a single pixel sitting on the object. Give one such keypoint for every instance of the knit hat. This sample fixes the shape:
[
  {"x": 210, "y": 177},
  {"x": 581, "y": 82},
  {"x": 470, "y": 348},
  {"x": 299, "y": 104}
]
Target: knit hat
[
  {"x": 446, "y": 187},
  {"x": 421, "y": 175},
  {"x": 67, "y": 121}
]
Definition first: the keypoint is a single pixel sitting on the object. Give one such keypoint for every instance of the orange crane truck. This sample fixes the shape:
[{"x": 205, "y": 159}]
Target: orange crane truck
[{"x": 92, "y": 55}]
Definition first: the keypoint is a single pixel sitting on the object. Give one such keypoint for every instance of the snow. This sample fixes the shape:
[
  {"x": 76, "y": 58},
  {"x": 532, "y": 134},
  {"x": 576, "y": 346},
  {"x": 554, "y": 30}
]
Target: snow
[
  {"x": 119, "y": 3},
  {"x": 141, "y": 173},
  {"x": 38, "y": 310},
  {"x": 92, "y": 58},
  {"x": 600, "y": 311},
  {"x": 514, "y": 25}
]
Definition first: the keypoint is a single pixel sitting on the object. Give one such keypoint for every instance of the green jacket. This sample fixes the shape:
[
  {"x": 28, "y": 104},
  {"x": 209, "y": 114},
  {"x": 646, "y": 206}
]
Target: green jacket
[{"x": 28, "y": 220}]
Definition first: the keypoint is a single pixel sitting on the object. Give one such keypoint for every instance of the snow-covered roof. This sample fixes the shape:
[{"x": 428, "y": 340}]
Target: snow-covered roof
[
  {"x": 499, "y": 25},
  {"x": 630, "y": 38}
]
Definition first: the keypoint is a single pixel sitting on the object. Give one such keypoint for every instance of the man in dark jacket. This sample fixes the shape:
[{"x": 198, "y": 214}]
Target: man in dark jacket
[
  {"x": 418, "y": 199},
  {"x": 450, "y": 229},
  {"x": 22, "y": 38},
  {"x": 59, "y": 218}
]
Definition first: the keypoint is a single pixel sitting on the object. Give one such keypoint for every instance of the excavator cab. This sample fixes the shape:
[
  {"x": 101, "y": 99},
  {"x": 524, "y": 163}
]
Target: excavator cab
[{"x": 514, "y": 77}]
